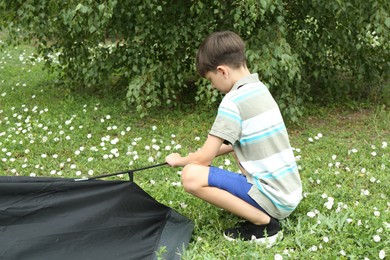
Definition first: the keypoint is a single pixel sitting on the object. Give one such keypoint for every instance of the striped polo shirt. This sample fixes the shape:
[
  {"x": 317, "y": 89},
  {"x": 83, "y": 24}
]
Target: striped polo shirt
[{"x": 249, "y": 119}]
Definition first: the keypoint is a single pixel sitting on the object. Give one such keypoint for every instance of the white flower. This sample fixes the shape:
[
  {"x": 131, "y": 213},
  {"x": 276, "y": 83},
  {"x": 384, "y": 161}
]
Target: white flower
[
  {"x": 154, "y": 128},
  {"x": 384, "y": 145},
  {"x": 329, "y": 203},
  {"x": 197, "y": 138},
  {"x": 373, "y": 153},
  {"x": 342, "y": 252},
  {"x": 278, "y": 257},
  {"x": 377, "y": 213},
  {"x": 382, "y": 254},
  {"x": 310, "y": 139},
  {"x": 152, "y": 182},
  {"x": 178, "y": 184},
  {"x": 311, "y": 214},
  {"x": 386, "y": 225},
  {"x": 376, "y": 238},
  {"x": 114, "y": 141},
  {"x": 114, "y": 152}
]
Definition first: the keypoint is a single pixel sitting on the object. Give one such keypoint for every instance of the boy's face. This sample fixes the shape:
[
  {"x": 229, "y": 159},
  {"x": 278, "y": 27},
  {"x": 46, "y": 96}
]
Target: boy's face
[{"x": 219, "y": 79}]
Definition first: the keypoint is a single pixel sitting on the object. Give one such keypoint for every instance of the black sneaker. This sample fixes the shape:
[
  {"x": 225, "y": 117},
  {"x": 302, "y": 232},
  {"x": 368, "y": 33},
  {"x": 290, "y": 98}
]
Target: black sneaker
[{"x": 265, "y": 234}]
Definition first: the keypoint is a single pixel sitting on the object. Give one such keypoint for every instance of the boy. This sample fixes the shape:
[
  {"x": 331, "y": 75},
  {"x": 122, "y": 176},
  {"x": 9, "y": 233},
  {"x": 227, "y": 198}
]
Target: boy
[{"x": 248, "y": 125}]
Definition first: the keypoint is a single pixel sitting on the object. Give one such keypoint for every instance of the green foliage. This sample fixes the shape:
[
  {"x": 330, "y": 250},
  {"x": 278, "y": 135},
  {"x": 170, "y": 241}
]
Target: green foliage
[
  {"x": 345, "y": 46},
  {"x": 303, "y": 50}
]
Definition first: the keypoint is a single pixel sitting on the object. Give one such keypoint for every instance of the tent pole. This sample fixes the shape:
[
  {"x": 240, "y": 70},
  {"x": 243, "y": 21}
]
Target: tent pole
[{"x": 130, "y": 172}]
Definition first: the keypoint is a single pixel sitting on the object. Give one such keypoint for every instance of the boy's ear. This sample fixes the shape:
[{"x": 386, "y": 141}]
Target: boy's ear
[{"x": 223, "y": 69}]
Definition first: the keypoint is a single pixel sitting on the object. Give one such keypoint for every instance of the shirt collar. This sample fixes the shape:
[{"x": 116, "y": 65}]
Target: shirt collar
[{"x": 245, "y": 80}]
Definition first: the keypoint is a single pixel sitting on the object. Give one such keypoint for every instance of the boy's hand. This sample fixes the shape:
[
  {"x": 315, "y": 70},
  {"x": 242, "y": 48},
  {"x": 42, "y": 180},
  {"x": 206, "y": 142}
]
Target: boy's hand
[{"x": 173, "y": 159}]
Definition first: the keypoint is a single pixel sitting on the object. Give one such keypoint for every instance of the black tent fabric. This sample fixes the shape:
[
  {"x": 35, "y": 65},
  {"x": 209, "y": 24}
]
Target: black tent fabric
[{"x": 50, "y": 218}]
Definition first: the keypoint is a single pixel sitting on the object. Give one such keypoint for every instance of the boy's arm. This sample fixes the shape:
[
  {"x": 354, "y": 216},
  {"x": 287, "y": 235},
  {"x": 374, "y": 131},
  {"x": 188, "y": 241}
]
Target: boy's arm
[
  {"x": 203, "y": 156},
  {"x": 225, "y": 148}
]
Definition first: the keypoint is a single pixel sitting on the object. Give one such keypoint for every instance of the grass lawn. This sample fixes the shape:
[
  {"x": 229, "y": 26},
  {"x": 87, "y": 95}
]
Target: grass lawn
[{"x": 343, "y": 156}]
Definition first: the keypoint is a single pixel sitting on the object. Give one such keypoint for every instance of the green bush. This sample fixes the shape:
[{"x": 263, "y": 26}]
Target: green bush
[{"x": 326, "y": 50}]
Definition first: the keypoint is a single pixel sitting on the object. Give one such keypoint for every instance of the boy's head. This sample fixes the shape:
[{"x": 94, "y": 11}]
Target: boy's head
[{"x": 220, "y": 48}]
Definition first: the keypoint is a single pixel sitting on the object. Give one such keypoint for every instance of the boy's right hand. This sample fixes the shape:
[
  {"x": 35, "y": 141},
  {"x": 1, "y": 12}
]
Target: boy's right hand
[{"x": 173, "y": 159}]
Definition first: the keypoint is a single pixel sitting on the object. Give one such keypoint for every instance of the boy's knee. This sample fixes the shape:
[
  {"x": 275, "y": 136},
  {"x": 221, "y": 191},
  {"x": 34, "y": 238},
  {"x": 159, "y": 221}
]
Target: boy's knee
[
  {"x": 187, "y": 178},
  {"x": 190, "y": 178}
]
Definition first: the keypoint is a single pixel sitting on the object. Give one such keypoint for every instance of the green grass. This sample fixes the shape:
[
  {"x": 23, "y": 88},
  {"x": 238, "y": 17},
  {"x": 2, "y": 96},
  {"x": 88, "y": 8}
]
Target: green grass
[{"x": 51, "y": 131}]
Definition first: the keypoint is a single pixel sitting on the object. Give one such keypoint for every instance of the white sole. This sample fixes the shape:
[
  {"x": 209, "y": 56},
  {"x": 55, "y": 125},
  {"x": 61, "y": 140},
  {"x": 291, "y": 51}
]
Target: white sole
[{"x": 267, "y": 241}]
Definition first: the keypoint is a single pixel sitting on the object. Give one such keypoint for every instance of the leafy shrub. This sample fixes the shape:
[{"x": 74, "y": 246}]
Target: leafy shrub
[{"x": 326, "y": 50}]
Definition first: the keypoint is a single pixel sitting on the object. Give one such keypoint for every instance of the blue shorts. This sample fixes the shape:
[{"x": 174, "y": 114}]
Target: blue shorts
[{"x": 233, "y": 183}]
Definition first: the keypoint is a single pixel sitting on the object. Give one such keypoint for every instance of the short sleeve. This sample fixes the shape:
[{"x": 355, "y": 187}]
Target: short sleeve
[{"x": 227, "y": 124}]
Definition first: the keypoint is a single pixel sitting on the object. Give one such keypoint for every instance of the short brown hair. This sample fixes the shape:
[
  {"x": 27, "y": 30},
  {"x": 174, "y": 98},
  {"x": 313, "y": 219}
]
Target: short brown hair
[{"x": 220, "y": 48}]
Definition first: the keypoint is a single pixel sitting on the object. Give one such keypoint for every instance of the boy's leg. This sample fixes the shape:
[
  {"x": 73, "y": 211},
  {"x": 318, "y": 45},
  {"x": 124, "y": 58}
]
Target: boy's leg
[{"x": 195, "y": 181}]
